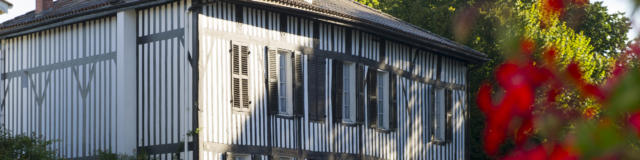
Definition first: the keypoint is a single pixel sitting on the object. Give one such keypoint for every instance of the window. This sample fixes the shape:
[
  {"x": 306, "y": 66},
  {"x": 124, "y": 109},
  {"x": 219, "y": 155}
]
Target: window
[
  {"x": 383, "y": 100},
  {"x": 284, "y": 83},
  {"x": 241, "y": 157},
  {"x": 348, "y": 93},
  {"x": 439, "y": 115},
  {"x": 240, "y": 76}
]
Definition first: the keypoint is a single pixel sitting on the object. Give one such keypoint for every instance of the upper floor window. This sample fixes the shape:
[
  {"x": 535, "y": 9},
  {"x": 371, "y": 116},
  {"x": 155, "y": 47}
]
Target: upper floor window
[
  {"x": 349, "y": 93},
  {"x": 284, "y": 83},
  {"x": 285, "y": 91},
  {"x": 383, "y": 98},
  {"x": 240, "y": 76},
  {"x": 441, "y": 118}
]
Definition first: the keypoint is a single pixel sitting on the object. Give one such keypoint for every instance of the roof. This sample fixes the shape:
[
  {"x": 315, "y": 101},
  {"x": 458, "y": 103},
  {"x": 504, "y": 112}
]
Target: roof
[{"x": 348, "y": 10}]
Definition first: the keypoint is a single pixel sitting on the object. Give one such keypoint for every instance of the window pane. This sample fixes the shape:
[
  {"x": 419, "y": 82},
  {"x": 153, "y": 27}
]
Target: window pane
[
  {"x": 282, "y": 89},
  {"x": 440, "y": 115},
  {"x": 381, "y": 100},
  {"x": 346, "y": 98}
]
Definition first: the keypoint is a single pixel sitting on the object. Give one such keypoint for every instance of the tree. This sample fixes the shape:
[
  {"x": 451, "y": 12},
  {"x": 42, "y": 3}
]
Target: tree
[{"x": 585, "y": 33}]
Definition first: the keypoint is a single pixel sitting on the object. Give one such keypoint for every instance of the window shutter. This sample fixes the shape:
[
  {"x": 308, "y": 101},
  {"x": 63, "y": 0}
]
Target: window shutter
[
  {"x": 316, "y": 88},
  {"x": 313, "y": 88},
  {"x": 337, "y": 90},
  {"x": 372, "y": 91},
  {"x": 298, "y": 81},
  {"x": 393, "y": 102},
  {"x": 235, "y": 70},
  {"x": 449, "y": 122},
  {"x": 272, "y": 82},
  {"x": 432, "y": 109},
  {"x": 321, "y": 94},
  {"x": 360, "y": 99},
  {"x": 244, "y": 57}
]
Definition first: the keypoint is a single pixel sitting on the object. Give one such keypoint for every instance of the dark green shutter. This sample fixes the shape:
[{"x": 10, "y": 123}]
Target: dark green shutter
[
  {"x": 372, "y": 91},
  {"x": 298, "y": 81},
  {"x": 449, "y": 122},
  {"x": 393, "y": 102},
  {"x": 272, "y": 82},
  {"x": 360, "y": 99},
  {"x": 337, "y": 90}
]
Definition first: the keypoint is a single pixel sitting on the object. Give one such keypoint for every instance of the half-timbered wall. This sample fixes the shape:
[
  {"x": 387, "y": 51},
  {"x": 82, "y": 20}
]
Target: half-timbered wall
[
  {"x": 164, "y": 80},
  {"x": 61, "y": 83},
  {"x": 221, "y": 125}
]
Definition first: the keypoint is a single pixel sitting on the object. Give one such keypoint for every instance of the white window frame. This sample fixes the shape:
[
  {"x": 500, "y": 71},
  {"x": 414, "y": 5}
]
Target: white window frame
[
  {"x": 285, "y": 102},
  {"x": 349, "y": 93},
  {"x": 241, "y": 157},
  {"x": 383, "y": 100},
  {"x": 440, "y": 115}
]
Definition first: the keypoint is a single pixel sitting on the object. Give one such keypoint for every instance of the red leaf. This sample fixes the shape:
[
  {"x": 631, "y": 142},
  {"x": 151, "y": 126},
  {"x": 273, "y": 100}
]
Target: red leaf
[
  {"x": 537, "y": 153},
  {"x": 524, "y": 97},
  {"x": 550, "y": 56},
  {"x": 634, "y": 122},
  {"x": 562, "y": 153},
  {"x": 524, "y": 132},
  {"x": 492, "y": 139},
  {"x": 527, "y": 46},
  {"x": 506, "y": 75},
  {"x": 556, "y": 6},
  {"x": 484, "y": 98},
  {"x": 575, "y": 73},
  {"x": 594, "y": 91}
]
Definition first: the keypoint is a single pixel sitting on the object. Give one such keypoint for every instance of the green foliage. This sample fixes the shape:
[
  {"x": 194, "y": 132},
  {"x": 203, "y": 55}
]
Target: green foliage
[
  {"x": 607, "y": 31},
  {"x": 24, "y": 146},
  {"x": 587, "y": 34}
]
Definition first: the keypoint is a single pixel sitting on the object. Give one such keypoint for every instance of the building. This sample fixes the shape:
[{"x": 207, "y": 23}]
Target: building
[
  {"x": 233, "y": 79},
  {"x": 5, "y": 6}
]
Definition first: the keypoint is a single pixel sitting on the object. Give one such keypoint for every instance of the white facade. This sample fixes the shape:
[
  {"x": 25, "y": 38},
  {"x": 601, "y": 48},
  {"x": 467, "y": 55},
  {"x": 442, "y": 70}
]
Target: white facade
[{"x": 140, "y": 79}]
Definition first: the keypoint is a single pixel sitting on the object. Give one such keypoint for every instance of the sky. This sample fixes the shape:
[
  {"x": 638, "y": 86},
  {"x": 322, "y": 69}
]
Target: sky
[{"x": 23, "y": 6}]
